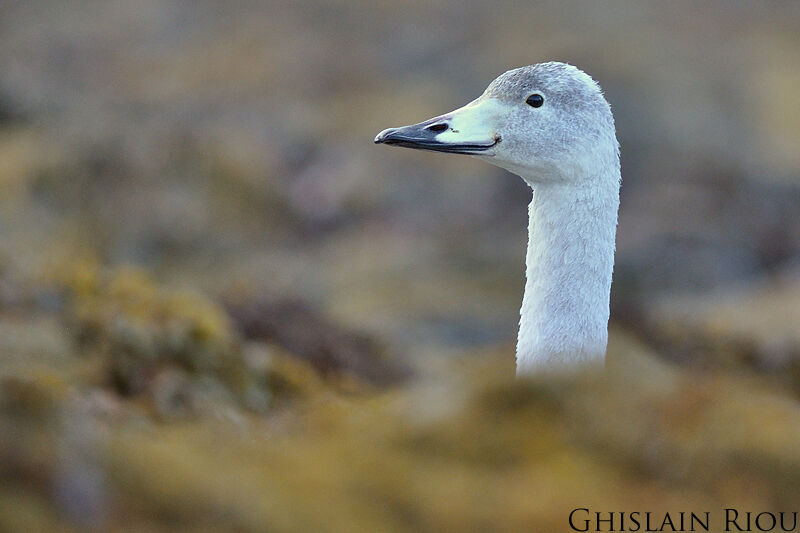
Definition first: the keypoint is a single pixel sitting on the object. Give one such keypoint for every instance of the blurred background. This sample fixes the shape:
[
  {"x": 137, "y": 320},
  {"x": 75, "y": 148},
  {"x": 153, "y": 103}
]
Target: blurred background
[{"x": 199, "y": 241}]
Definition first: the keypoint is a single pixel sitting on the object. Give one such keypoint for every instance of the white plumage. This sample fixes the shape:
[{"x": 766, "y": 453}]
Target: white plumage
[{"x": 549, "y": 124}]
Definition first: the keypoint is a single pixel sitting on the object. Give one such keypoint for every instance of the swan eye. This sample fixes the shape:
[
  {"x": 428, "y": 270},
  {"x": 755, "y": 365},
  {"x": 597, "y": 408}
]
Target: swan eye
[{"x": 535, "y": 100}]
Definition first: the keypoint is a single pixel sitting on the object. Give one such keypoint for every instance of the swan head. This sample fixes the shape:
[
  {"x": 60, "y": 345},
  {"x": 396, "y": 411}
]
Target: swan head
[{"x": 547, "y": 122}]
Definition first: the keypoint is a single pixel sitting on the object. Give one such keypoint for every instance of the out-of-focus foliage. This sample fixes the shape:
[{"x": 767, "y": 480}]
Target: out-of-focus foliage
[
  {"x": 222, "y": 307},
  {"x": 471, "y": 449}
]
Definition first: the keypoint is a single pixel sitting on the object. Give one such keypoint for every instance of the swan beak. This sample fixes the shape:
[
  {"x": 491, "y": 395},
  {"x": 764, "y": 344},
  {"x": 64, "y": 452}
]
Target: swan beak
[{"x": 463, "y": 131}]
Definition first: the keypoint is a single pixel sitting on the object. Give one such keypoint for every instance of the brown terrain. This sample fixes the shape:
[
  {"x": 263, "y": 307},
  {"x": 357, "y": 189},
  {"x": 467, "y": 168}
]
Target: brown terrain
[{"x": 222, "y": 308}]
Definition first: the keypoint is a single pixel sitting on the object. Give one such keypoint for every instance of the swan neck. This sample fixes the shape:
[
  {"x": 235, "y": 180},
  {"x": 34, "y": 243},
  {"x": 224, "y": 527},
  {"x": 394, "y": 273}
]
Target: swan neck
[{"x": 569, "y": 264}]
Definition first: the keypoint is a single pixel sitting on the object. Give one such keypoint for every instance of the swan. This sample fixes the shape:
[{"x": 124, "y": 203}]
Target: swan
[{"x": 550, "y": 124}]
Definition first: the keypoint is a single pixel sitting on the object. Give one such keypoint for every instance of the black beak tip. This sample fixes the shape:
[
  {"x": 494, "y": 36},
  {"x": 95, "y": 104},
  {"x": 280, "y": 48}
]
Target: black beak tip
[{"x": 382, "y": 136}]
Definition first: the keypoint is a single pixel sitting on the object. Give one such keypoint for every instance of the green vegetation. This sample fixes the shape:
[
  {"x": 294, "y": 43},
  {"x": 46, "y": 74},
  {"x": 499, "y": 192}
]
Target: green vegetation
[{"x": 222, "y": 308}]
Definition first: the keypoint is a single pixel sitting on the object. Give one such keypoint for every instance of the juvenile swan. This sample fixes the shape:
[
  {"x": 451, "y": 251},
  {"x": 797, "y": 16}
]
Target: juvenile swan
[{"x": 549, "y": 124}]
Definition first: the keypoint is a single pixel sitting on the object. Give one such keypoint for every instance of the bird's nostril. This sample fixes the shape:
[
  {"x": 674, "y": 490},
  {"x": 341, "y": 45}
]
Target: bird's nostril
[{"x": 437, "y": 128}]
